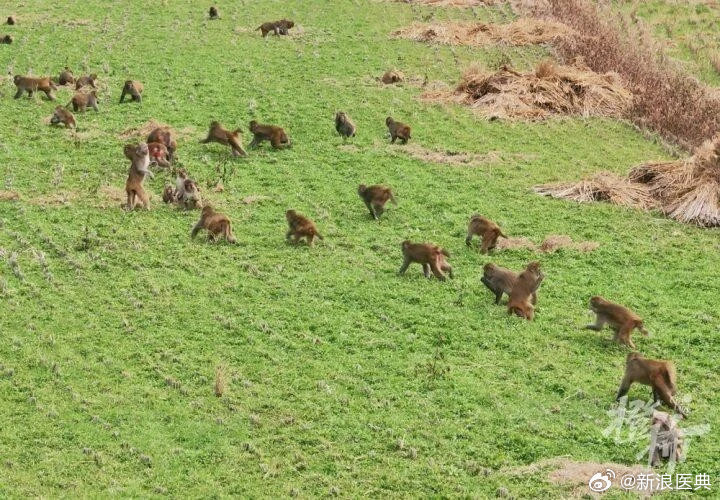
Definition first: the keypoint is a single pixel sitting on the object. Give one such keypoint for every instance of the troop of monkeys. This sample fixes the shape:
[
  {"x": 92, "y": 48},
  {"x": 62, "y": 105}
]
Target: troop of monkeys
[{"x": 521, "y": 288}]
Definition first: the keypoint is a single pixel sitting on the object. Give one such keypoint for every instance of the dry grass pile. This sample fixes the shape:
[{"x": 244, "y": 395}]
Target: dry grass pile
[
  {"x": 525, "y": 31},
  {"x": 550, "y": 244},
  {"x": 685, "y": 190},
  {"x": 9, "y": 196},
  {"x": 550, "y": 90},
  {"x": 603, "y": 186}
]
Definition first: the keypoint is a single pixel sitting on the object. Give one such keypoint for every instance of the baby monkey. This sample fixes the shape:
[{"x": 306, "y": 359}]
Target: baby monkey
[
  {"x": 375, "y": 198},
  {"x": 621, "y": 319},
  {"x": 299, "y": 227},
  {"x": 218, "y": 225},
  {"x": 213, "y": 14}
]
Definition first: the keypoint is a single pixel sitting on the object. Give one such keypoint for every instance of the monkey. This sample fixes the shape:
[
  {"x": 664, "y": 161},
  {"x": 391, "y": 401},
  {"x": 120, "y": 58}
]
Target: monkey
[
  {"x": 658, "y": 374},
  {"x": 62, "y": 115},
  {"x": 431, "y": 257},
  {"x": 214, "y": 14},
  {"x": 667, "y": 440},
  {"x": 620, "y": 318},
  {"x": 133, "y": 88},
  {"x": 80, "y": 101},
  {"x": 344, "y": 125},
  {"x": 7, "y": 39},
  {"x": 186, "y": 191},
  {"x": 522, "y": 293},
  {"x": 397, "y": 130},
  {"x": 168, "y": 195},
  {"x": 278, "y": 27},
  {"x": 66, "y": 77},
  {"x": 159, "y": 154},
  {"x": 218, "y": 134},
  {"x": 11, "y": 20},
  {"x": 163, "y": 135},
  {"x": 486, "y": 229},
  {"x": 391, "y": 77},
  {"x": 299, "y": 227},
  {"x": 375, "y": 198},
  {"x": 501, "y": 280},
  {"x": 217, "y": 224},
  {"x": 30, "y": 85},
  {"x": 86, "y": 81},
  {"x": 139, "y": 156},
  {"x": 276, "y": 135}
]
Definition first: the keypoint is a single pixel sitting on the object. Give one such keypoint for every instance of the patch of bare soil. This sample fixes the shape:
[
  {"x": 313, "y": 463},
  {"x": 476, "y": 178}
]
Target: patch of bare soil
[
  {"x": 550, "y": 244},
  {"x": 524, "y": 31},
  {"x": 9, "y": 196},
  {"x": 459, "y": 158}
]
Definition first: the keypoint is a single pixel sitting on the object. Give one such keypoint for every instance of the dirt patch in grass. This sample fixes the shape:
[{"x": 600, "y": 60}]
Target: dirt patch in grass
[
  {"x": 254, "y": 198},
  {"x": 55, "y": 199},
  {"x": 459, "y": 158},
  {"x": 450, "y": 3},
  {"x": 551, "y": 89},
  {"x": 550, "y": 244},
  {"x": 111, "y": 196},
  {"x": 525, "y": 31},
  {"x": 9, "y": 195},
  {"x": 686, "y": 190}
]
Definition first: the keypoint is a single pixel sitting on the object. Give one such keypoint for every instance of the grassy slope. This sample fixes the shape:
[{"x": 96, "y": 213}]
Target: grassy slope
[
  {"x": 688, "y": 30},
  {"x": 335, "y": 362}
]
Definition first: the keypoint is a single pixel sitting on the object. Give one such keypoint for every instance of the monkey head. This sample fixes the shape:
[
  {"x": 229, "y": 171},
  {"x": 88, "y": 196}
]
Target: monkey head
[
  {"x": 489, "y": 267},
  {"x": 389, "y": 120},
  {"x": 134, "y": 151},
  {"x": 595, "y": 302},
  {"x": 290, "y": 215},
  {"x": 207, "y": 211},
  {"x": 182, "y": 173},
  {"x": 253, "y": 125},
  {"x": 361, "y": 189},
  {"x": 56, "y": 115},
  {"x": 16, "y": 79},
  {"x": 632, "y": 356},
  {"x": 405, "y": 244}
]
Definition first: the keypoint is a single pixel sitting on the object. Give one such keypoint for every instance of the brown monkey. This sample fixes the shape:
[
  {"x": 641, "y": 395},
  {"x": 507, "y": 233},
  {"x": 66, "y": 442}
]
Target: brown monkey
[
  {"x": 139, "y": 156},
  {"x": 658, "y": 374},
  {"x": 430, "y": 256},
  {"x": 486, "y": 229},
  {"x": 344, "y": 125},
  {"x": 214, "y": 13},
  {"x": 11, "y": 20},
  {"x": 391, "y": 77},
  {"x": 397, "y": 130},
  {"x": 134, "y": 89},
  {"x": 80, "y": 101},
  {"x": 86, "y": 81},
  {"x": 163, "y": 135},
  {"x": 375, "y": 198},
  {"x": 523, "y": 291},
  {"x": 66, "y": 77},
  {"x": 168, "y": 195},
  {"x": 500, "y": 280},
  {"x": 158, "y": 154},
  {"x": 301, "y": 227},
  {"x": 218, "y": 134},
  {"x": 186, "y": 193},
  {"x": 620, "y": 318},
  {"x": 7, "y": 39},
  {"x": 667, "y": 440},
  {"x": 278, "y": 27},
  {"x": 217, "y": 224},
  {"x": 30, "y": 85},
  {"x": 62, "y": 115},
  {"x": 276, "y": 135}
]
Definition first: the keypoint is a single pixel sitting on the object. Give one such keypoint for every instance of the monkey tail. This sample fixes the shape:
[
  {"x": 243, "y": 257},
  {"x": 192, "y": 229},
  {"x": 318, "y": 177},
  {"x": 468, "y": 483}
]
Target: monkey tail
[
  {"x": 319, "y": 235},
  {"x": 500, "y": 233}
]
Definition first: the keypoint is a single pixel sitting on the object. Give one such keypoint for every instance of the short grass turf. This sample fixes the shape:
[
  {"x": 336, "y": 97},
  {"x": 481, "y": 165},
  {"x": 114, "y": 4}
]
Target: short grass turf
[{"x": 342, "y": 377}]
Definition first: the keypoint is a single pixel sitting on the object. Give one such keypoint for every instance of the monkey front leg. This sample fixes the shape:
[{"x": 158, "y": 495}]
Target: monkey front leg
[
  {"x": 498, "y": 292},
  {"x": 405, "y": 265},
  {"x": 19, "y": 93},
  {"x": 372, "y": 212},
  {"x": 122, "y": 96},
  {"x": 426, "y": 270},
  {"x": 623, "y": 389},
  {"x": 598, "y": 325}
]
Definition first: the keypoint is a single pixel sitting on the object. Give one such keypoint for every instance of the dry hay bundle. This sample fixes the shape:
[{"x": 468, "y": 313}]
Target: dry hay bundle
[
  {"x": 526, "y": 31},
  {"x": 604, "y": 186},
  {"x": 551, "y": 89},
  {"x": 688, "y": 190}
]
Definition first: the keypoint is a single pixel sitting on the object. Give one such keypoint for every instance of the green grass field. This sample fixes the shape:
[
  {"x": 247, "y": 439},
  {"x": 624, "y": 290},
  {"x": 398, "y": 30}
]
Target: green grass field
[{"x": 343, "y": 378}]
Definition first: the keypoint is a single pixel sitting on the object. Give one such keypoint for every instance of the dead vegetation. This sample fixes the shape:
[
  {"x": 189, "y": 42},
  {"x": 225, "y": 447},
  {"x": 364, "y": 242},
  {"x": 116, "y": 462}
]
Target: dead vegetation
[
  {"x": 686, "y": 190},
  {"x": 459, "y": 158},
  {"x": 9, "y": 195},
  {"x": 550, "y": 244},
  {"x": 524, "y": 31},
  {"x": 450, "y": 3},
  {"x": 550, "y": 90}
]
